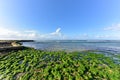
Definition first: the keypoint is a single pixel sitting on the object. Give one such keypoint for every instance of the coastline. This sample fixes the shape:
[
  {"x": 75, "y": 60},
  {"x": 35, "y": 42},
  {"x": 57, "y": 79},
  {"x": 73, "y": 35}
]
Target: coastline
[
  {"x": 28, "y": 64},
  {"x": 12, "y": 45}
]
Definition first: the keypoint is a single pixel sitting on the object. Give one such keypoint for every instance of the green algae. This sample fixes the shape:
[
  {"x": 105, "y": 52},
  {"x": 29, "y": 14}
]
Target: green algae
[{"x": 31, "y": 64}]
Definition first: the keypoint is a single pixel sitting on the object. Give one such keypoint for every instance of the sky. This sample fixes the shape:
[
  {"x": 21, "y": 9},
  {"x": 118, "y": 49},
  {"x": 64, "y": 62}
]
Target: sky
[{"x": 60, "y": 19}]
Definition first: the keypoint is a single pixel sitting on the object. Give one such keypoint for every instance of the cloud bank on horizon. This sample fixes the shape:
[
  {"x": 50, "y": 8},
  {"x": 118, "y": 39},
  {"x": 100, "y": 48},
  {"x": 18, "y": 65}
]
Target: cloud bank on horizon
[
  {"x": 112, "y": 32},
  {"x": 9, "y": 34},
  {"x": 114, "y": 27}
]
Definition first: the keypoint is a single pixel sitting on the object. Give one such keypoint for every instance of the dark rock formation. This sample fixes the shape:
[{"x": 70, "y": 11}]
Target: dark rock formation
[{"x": 11, "y": 45}]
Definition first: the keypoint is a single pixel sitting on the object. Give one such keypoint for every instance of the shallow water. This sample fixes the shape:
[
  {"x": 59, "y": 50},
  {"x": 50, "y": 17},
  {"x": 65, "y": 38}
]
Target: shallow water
[
  {"x": 108, "y": 48},
  {"x": 76, "y": 45}
]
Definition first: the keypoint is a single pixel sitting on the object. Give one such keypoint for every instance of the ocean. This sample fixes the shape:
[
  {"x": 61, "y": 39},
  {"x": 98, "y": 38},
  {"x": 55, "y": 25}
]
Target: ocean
[{"x": 111, "y": 46}]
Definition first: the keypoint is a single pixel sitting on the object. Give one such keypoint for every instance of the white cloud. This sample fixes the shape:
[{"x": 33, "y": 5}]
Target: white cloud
[
  {"x": 111, "y": 32},
  {"x": 82, "y": 36},
  {"x": 31, "y": 31},
  {"x": 58, "y": 30},
  {"x": 103, "y": 36},
  {"x": 56, "y": 33},
  {"x": 108, "y": 36},
  {"x": 13, "y": 34},
  {"x": 28, "y": 34},
  {"x": 114, "y": 27}
]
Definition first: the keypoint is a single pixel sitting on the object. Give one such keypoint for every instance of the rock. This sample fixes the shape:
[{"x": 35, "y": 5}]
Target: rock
[{"x": 15, "y": 44}]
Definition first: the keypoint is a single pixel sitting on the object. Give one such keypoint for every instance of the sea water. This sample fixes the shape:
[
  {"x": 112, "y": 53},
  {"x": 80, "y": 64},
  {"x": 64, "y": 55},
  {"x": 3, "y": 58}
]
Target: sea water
[{"x": 110, "y": 46}]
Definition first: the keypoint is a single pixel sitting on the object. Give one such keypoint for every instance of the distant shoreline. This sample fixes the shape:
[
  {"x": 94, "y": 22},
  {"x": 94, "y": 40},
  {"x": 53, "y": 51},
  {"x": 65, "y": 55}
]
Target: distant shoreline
[{"x": 16, "y": 41}]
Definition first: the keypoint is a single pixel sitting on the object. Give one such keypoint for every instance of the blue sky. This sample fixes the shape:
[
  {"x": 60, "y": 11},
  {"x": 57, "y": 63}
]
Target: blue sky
[{"x": 60, "y": 19}]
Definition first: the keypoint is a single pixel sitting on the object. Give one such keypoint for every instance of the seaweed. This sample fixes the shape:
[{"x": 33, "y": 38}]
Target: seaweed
[{"x": 31, "y": 64}]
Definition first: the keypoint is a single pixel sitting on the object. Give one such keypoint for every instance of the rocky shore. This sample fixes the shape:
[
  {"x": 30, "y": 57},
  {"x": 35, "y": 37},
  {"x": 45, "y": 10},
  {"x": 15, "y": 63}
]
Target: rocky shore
[{"x": 11, "y": 45}]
